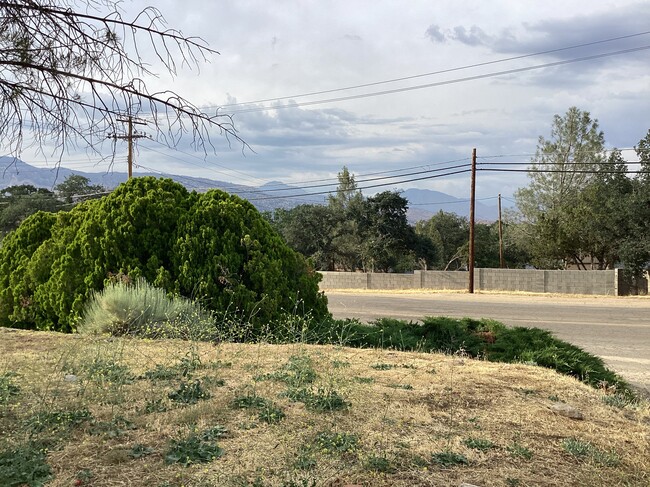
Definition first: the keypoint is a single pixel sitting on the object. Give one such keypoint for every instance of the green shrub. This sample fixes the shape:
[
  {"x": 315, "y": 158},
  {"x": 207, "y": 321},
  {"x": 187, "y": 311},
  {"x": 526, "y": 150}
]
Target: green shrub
[
  {"x": 477, "y": 338},
  {"x": 541, "y": 348},
  {"x": 213, "y": 246}
]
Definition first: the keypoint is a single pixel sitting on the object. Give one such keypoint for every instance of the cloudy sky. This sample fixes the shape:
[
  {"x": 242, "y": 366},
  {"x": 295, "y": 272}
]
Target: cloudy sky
[{"x": 284, "y": 49}]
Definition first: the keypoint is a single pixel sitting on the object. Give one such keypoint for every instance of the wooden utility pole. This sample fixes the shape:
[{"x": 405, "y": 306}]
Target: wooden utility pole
[
  {"x": 472, "y": 202},
  {"x": 130, "y": 135},
  {"x": 501, "y": 262}
]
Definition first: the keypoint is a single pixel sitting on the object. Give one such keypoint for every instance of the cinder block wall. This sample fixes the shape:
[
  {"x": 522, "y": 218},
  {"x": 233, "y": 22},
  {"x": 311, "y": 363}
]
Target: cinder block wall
[{"x": 563, "y": 282}]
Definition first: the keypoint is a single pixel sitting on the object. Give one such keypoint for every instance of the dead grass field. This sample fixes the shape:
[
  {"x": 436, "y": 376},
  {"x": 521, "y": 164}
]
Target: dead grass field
[{"x": 371, "y": 417}]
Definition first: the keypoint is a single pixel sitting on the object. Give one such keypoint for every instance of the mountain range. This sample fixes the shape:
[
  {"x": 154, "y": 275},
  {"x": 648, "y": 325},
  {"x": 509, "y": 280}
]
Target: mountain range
[{"x": 423, "y": 203}]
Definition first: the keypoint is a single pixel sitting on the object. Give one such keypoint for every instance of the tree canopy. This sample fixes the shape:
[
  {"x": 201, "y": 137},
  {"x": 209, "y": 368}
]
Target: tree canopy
[
  {"x": 583, "y": 203},
  {"x": 213, "y": 247}
]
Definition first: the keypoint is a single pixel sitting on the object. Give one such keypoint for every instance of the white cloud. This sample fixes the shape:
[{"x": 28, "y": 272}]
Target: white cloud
[{"x": 277, "y": 49}]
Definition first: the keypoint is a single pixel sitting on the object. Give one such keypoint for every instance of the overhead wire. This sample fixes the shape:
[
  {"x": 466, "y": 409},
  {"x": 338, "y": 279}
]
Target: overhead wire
[
  {"x": 445, "y": 82},
  {"x": 358, "y": 188},
  {"x": 433, "y": 73}
]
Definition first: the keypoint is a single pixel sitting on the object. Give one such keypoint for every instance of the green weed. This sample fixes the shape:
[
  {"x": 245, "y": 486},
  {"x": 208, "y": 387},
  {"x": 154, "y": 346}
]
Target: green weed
[
  {"x": 192, "y": 450},
  {"x": 449, "y": 459},
  {"x": 189, "y": 393},
  {"x": 478, "y": 444},
  {"x": 517, "y": 450},
  {"x": 139, "y": 451},
  {"x": 379, "y": 464},
  {"x": 114, "y": 428},
  {"x": 330, "y": 442},
  {"x": 585, "y": 450},
  {"x": 8, "y": 388},
  {"x": 57, "y": 421},
  {"x": 24, "y": 465}
]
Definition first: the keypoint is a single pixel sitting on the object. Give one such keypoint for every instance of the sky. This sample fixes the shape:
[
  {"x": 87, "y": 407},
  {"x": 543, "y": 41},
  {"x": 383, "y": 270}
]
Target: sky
[{"x": 283, "y": 49}]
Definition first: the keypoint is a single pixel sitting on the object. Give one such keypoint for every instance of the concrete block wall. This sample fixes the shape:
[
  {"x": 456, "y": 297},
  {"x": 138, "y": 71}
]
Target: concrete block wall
[
  {"x": 509, "y": 280},
  {"x": 581, "y": 282},
  {"x": 536, "y": 281},
  {"x": 344, "y": 280},
  {"x": 443, "y": 280}
]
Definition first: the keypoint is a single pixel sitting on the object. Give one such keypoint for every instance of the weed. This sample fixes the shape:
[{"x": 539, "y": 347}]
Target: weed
[
  {"x": 154, "y": 406},
  {"x": 364, "y": 380},
  {"x": 325, "y": 399},
  {"x": 299, "y": 483},
  {"x": 298, "y": 372},
  {"x": 139, "y": 451},
  {"x": 189, "y": 393},
  {"x": 449, "y": 459},
  {"x": 57, "y": 421},
  {"x": 329, "y": 442},
  {"x": 478, "y": 444},
  {"x": 214, "y": 382},
  {"x": 379, "y": 464},
  {"x": 382, "y": 366},
  {"x": 270, "y": 413},
  {"x": 517, "y": 450},
  {"x": 407, "y": 387},
  {"x": 214, "y": 433},
  {"x": 339, "y": 364},
  {"x": 8, "y": 389},
  {"x": 114, "y": 428},
  {"x": 192, "y": 450},
  {"x": 620, "y": 401},
  {"x": 25, "y": 465},
  {"x": 305, "y": 460},
  {"x": 84, "y": 476},
  {"x": 512, "y": 482},
  {"x": 101, "y": 371},
  {"x": 585, "y": 450},
  {"x": 184, "y": 368},
  {"x": 249, "y": 401}
]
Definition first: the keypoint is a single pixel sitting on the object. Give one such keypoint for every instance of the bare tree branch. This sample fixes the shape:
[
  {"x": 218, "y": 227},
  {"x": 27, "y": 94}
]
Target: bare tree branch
[{"x": 67, "y": 73}]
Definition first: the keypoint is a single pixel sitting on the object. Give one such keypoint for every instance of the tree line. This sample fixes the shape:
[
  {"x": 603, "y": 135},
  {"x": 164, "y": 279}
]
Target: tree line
[
  {"x": 583, "y": 208},
  {"x": 372, "y": 234},
  {"x": 20, "y": 201}
]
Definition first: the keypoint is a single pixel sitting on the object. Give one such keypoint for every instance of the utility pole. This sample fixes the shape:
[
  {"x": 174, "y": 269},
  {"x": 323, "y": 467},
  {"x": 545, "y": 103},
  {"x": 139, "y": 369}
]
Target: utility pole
[
  {"x": 501, "y": 262},
  {"x": 129, "y": 137},
  {"x": 472, "y": 201}
]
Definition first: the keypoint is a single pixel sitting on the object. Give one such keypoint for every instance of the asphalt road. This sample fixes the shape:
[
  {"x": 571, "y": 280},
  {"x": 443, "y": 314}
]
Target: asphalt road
[{"x": 616, "y": 329}]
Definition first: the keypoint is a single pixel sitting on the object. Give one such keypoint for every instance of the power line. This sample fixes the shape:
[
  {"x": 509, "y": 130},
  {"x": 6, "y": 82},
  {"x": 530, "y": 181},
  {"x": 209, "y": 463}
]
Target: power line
[
  {"x": 246, "y": 176},
  {"x": 447, "y": 82},
  {"x": 364, "y": 187},
  {"x": 360, "y": 181},
  {"x": 433, "y": 73},
  {"x": 561, "y": 171}
]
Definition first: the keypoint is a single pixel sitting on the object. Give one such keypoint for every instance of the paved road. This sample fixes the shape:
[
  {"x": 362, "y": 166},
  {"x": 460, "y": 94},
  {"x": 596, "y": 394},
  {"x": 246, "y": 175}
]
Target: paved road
[{"x": 617, "y": 329}]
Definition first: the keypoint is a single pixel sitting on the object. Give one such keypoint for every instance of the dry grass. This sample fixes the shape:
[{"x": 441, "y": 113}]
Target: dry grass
[{"x": 403, "y": 407}]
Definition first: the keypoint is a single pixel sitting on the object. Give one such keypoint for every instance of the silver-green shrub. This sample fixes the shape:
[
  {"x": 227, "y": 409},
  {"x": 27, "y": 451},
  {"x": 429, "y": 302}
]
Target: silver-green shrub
[{"x": 140, "y": 309}]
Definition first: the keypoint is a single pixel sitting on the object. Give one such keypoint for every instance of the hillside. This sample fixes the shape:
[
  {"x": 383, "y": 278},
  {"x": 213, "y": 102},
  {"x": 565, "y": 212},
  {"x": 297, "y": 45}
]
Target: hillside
[
  {"x": 100, "y": 412},
  {"x": 424, "y": 203}
]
